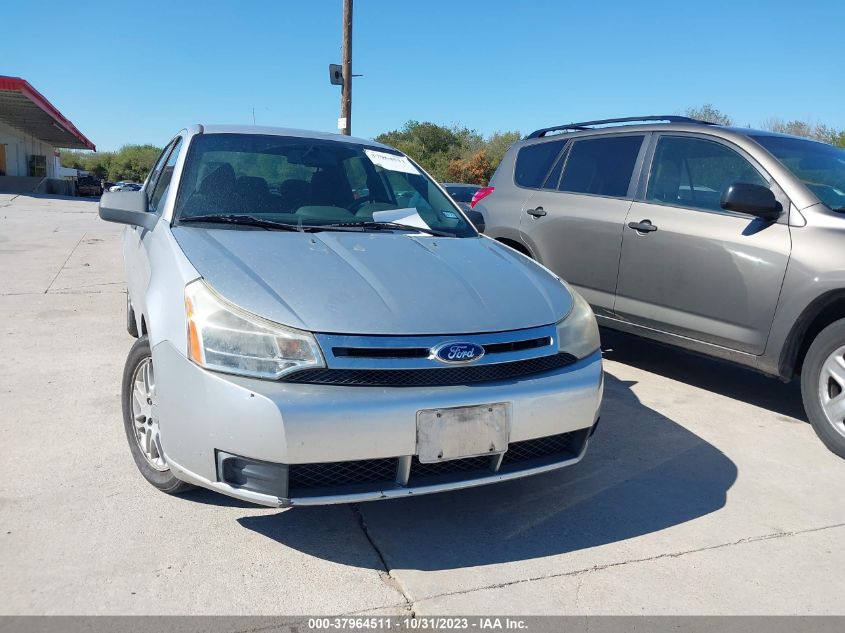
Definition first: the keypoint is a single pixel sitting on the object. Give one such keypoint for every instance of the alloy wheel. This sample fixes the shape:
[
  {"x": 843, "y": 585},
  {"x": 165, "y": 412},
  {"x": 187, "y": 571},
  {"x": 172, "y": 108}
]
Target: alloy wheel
[
  {"x": 145, "y": 425},
  {"x": 832, "y": 389}
]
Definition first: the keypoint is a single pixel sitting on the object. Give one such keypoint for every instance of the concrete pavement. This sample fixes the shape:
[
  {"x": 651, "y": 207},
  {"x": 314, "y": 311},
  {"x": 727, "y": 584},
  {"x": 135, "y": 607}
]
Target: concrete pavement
[{"x": 704, "y": 491}]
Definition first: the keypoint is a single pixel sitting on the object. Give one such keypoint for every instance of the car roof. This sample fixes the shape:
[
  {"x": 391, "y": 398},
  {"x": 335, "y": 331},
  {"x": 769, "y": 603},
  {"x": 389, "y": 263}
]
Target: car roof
[
  {"x": 284, "y": 131},
  {"x": 726, "y": 131},
  {"x": 459, "y": 184}
]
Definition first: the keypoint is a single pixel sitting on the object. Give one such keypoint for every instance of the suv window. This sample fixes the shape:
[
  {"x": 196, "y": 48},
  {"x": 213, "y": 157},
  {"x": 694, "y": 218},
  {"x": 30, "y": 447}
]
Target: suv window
[
  {"x": 533, "y": 162},
  {"x": 692, "y": 172},
  {"x": 601, "y": 166},
  {"x": 164, "y": 178},
  {"x": 553, "y": 178}
]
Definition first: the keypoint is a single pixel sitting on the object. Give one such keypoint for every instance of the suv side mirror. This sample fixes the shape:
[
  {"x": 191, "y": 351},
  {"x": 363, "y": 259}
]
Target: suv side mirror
[
  {"x": 755, "y": 200},
  {"x": 127, "y": 207}
]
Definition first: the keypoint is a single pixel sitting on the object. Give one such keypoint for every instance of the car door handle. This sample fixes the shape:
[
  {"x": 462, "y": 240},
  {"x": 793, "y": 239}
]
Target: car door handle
[
  {"x": 537, "y": 213},
  {"x": 643, "y": 226}
]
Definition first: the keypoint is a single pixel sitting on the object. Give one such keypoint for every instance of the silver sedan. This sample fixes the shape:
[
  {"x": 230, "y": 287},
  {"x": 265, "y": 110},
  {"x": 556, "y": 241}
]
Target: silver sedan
[{"x": 318, "y": 322}]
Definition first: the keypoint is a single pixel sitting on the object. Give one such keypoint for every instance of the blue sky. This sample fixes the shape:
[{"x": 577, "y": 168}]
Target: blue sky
[{"x": 137, "y": 72}]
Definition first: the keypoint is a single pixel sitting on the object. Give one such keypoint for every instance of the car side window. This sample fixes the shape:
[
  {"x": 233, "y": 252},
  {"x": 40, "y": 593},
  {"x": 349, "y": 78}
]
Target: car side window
[
  {"x": 533, "y": 162},
  {"x": 693, "y": 172},
  {"x": 601, "y": 166},
  {"x": 156, "y": 170},
  {"x": 162, "y": 185}
]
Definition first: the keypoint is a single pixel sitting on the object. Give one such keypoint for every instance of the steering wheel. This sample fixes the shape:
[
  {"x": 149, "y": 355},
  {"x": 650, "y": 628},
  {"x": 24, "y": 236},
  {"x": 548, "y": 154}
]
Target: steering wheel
[{"x": 360, "y": 202}]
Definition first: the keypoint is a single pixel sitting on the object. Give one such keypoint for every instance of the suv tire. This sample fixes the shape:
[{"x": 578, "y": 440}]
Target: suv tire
[
  {"x": 823, "y": 386},
  {"x": 138, "y": 395}
]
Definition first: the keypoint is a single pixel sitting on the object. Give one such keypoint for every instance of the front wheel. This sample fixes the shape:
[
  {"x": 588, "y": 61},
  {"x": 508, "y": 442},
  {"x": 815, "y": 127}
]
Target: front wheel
[
  {"x": 140, "y": 423},
  {"x": 823, "y": 386}
]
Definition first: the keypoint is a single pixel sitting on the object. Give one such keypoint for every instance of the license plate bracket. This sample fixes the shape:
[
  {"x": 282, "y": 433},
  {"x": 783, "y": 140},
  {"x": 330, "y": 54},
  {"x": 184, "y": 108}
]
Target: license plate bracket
[{"x": 458, "y": 432}]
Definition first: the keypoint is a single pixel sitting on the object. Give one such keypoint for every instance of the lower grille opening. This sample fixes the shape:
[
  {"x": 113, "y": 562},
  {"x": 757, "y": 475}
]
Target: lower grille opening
[
  {"x": 333, "y": 474},
  {"x": 418, "y": 469},
  {"x": 564, "y": 443},
  {"x": 312, "y": 480}
]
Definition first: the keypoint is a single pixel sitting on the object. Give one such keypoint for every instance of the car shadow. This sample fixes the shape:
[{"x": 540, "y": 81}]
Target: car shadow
[
  {"x": 709, "y": 374},
  {"x": 642, "y": 473}
]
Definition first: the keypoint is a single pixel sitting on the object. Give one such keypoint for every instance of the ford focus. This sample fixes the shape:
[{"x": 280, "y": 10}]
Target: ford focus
[{"x": 318, "y": 322}]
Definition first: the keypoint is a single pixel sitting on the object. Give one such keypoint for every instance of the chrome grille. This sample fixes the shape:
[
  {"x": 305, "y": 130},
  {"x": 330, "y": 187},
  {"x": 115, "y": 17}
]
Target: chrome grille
[{"x": 433, "y": 377}]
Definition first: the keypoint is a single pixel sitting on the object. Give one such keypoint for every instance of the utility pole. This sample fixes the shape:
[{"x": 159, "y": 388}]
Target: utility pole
[{"x": 344, "y": 124}]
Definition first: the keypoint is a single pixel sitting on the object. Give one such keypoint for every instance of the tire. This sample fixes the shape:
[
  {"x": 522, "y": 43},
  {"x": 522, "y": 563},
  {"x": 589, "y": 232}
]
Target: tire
[
  {"x": 152, "y": 465},
  {"x": 131, "y": 323},
  {"x": 823, "y": 386}
]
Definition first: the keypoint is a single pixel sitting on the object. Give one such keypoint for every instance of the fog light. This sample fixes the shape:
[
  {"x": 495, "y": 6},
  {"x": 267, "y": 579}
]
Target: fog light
[{"x": 266, "y": 478}]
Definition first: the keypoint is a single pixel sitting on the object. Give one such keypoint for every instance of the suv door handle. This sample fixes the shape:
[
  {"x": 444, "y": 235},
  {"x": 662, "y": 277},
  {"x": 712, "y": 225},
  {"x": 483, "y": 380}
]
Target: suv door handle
[
  {"x": 643, "y": 226},
  {"x": 537, "y": 213}
]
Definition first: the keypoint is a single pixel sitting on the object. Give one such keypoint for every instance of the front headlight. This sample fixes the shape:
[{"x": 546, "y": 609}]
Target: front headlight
[
  {"x": 578, "y": 333},
  {"x": 225, "y": 338}
]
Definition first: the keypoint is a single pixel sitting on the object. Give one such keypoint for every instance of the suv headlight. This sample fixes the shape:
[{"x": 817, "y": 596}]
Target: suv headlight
[
  {"x": 225, "y": 338},
  {"x": 578, "y": 332}
]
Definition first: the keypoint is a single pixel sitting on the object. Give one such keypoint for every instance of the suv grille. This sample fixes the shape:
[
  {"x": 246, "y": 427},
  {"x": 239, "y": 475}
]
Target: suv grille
[{"x": 438, "y": 376}]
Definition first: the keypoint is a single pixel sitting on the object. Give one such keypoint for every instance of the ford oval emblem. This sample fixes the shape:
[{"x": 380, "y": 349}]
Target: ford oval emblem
[{"x": 458, "y": 352}]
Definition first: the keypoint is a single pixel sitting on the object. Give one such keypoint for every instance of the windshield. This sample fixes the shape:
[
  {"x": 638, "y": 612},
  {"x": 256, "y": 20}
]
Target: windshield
[
  {"x": 310, "y": 182},
  {"x": 819, "y": 166}
]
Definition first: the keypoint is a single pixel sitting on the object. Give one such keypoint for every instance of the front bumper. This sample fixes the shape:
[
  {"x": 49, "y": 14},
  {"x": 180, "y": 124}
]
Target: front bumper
[{"x": 204, "y": 414}]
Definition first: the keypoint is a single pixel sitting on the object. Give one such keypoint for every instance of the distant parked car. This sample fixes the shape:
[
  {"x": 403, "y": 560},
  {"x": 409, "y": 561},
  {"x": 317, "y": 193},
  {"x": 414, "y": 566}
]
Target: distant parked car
[
  {"x": 88, "y": 186},
  {"x": 124, "y": 185},
  {"x": 461, "y": 193},
  {"x": 464, "y": 195},
  {"x": 725, "y": 241},
  {"x": 313, "y": 346}
]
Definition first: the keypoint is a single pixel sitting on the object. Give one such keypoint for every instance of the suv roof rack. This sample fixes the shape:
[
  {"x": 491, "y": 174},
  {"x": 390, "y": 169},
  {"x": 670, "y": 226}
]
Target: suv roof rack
[{"x": 586, "y": 125}]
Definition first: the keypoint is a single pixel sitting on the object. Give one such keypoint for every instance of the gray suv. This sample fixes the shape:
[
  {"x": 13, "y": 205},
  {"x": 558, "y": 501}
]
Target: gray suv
[{"x": 724, "y": 241}]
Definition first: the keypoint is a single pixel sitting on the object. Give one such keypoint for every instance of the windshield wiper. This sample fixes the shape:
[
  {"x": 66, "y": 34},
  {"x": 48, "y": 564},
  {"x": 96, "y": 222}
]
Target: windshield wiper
[
  {"x": 247, "y": 220},
  {"x": 387, "y": 226}
]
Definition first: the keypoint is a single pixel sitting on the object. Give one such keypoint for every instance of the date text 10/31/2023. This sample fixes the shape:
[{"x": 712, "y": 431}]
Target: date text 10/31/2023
[{"x": 418, "y": 623}]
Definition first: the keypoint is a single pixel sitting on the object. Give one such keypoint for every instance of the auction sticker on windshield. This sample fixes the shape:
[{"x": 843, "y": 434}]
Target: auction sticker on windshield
[{"x": 393, "y": 162}]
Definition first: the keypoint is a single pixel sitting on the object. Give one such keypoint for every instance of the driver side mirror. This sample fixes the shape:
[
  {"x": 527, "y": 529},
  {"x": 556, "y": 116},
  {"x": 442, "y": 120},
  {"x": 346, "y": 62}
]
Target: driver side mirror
[
  {"x": 127, "y": 207},
  {"x": 755, "y": 200},
  {"x": 476, "y": 218}
]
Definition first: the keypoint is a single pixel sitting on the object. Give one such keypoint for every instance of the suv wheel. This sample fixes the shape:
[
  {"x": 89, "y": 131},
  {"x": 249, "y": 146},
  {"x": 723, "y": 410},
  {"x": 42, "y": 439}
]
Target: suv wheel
[
  {"x": 139, "y": 399},
  {"x": 823, "y": 386}
]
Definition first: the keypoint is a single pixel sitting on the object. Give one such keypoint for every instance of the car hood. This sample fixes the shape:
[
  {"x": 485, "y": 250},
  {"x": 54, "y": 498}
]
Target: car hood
[{"x": 376, "y": 283}]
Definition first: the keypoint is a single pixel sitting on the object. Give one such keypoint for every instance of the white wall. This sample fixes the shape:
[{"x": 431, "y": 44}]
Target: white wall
[{"x": 19, "y": 147}]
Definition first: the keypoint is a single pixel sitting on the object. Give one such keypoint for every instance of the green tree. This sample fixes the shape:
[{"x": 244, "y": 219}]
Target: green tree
[
  {"x": 130, "y": 162},
  {"x": 451, "y": 153}
]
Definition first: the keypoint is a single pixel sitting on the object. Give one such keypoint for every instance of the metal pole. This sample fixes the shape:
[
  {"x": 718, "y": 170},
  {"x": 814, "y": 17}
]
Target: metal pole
[{"x": 346, "y": 90}]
